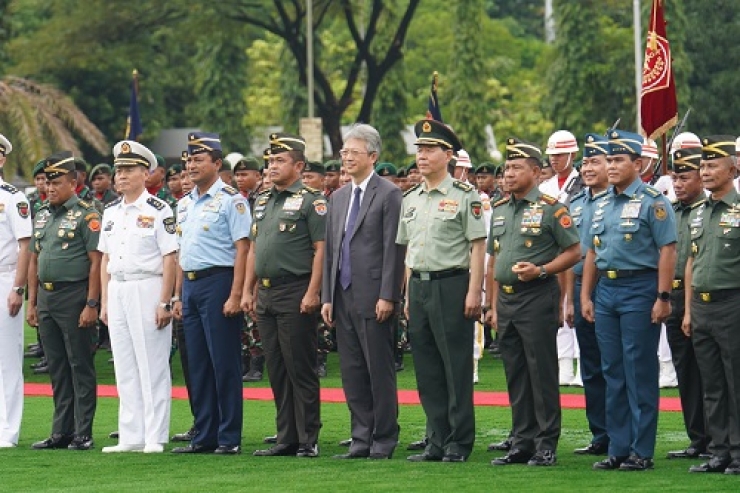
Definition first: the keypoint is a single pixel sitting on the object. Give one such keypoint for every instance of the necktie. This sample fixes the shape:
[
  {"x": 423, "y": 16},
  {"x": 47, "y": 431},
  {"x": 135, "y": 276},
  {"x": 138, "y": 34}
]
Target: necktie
[{"x": 345, "y": 271}]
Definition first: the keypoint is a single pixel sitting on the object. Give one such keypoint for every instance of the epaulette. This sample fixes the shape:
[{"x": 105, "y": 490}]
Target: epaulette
[
  {"x": 548, "y": 199},
  {"x": 581, "y": 193},
  {"x": 85, "y": 204},
  {"x": 466, "y": 187},
  {"x": 158, "y": 204},
  {"x": 701, "y": 202},
  {"x": 653, "y": 192},
  {"x": 113, "y": 202},
  {"x": 228, "y": 189},
  {"x": 501, "y": 201},
  {"x": 9, "y": 188},
  {"x": 600, "y": 194},
  {"x": 310, "y": 189},
  {"x": 411, "y": 189},
  {"x": 264, "y": 192}
]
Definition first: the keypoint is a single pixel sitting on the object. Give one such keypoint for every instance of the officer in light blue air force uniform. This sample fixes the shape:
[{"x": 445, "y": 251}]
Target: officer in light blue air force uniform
[{"x": 633, "y": 237}]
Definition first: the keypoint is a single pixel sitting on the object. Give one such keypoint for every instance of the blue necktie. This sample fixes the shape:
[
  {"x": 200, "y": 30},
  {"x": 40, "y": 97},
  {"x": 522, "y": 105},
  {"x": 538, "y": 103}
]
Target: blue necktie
[{"x": 345, "y": 271}]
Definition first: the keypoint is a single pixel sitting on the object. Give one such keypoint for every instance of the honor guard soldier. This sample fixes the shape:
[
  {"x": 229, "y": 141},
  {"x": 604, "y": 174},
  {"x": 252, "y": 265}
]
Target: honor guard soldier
[
  {"x": 633, "y": 247},
  {"x": 712, "y": 297},
  {"x": 582, "y": 208},
  {"x": 690, "y": 193},
  {"x": 173, "y": 178},
  {"x": 247, "y": 175},
  {"x": 313, "y": 175},
  {"x": 387, "y": 171},
  {"x": 63, "y": 294},
  {"x": 286, "y": 266},
  {"x": 101, "y": 181},
  {"x": 331, "y": 178},
  {"x": 38, "y": 197},
  {"x": 213, "y": 224},
  {"x": 442, "y": 226},
  {"x": 138, "y": 275},
  {"x": 15, "y": 232},
  {"x": 155, "y": 183},
  {"x": 532, "y": 238}
]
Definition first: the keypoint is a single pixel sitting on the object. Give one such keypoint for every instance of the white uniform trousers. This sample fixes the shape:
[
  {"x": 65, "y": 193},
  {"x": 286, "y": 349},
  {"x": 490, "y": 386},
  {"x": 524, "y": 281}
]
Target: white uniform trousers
[
  {"x": 11, "y": 364},
  {"x": 141, "y": 357}
]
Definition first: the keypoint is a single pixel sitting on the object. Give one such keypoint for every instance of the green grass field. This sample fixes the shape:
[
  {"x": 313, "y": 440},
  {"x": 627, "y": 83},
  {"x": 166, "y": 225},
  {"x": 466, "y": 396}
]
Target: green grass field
[{"x": 23, "y": 469}]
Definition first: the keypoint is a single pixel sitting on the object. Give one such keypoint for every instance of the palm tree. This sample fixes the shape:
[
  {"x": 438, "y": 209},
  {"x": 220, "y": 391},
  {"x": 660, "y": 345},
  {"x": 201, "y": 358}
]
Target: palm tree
[{"x": 39, "y": 120}]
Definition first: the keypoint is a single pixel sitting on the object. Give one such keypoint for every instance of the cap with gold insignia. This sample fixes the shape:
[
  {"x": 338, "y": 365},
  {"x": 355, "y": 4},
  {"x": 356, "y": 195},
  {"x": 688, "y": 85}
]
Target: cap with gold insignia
[
  {"x": 686, "y": 159},
  {"x": 59, "y": 164},
  {"x": 333, "y": 166},
  {"x": 386, "y": 169},
  {"x": 623, "y": 142},
  {"x": 717, "y": 146},
  {"x": 184, "y": 158},
  {"x": 131, "y": 153},
  {"x": 5, "y": 146},
  {"x": 173, "y": 170},
  {"x": 38, "y": 168},
  {"x": 434, "y": 133},
  {"x": 266, "y": 156},
  {"x": 485, "y": 169},
  {"x": 519, "y": 149},
  {"x": 200, "y": 142},
  {"x": 247, "y": 164},
  {"x": 282, "y": 142},
  {"x": 595, "y": 145},
  {"x": 314, "y": 167},
  {"x": 100, "y": 169}
]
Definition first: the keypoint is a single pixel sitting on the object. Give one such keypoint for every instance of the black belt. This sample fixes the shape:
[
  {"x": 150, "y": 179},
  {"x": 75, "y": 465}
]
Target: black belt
[
  {"x": 520, "y": 287},
  {"x": 622, "y": 273},
  {"x": 274, "y": 282},
  {"x": 440, "y": 274},
  {"x": 56, "y": 286},
  {"x": 719, "y": 295},
  {"x": 677, "y": 284},
  {"x": 194, "y": 275}
]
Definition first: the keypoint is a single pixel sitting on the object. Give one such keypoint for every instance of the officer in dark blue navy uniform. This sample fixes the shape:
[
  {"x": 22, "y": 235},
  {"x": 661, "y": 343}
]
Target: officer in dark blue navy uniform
[
  {"x": 633, "y": 246},
  {"x": 582, "y": 208},
  {"x": 213, "y": 227}
]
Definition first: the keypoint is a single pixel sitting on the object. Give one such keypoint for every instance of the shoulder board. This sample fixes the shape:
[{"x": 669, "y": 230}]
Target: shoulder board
[
  {"x": 501, "y": 201},
  {"x": 600, "y": 194},
  {"x": 701, "y": 202},
  {"x": 228, "y": 189},
  {"x": 549, "y": 200},
  {"x": 652, "y": 191},
  {"x": 467, "y": 187},
  {"x": 310, "y": 189},
  {"x": 9, "y": 188},
  {"x": 581, "y": 193},
  {"x": 85, "y": 204},
  {"x": 158, "y": 204},
  {"x": 411, "y": 189},
  {"x": 113, "y": 202},
  {"x": 264, "y": 192}
]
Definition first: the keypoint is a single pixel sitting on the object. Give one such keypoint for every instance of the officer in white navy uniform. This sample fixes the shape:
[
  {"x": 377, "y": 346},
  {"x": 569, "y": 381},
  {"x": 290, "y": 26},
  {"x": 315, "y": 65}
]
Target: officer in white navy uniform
[
  {"x": 138, "y": 243},
  {"x": 15, "y": 232}
]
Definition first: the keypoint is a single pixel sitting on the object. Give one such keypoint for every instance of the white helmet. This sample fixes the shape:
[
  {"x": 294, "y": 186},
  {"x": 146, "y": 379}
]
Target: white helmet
[
  {"x": 463, "y": 159},
  {"x": 5, "y": 146},
  {"x": 561, "y": 142},
  {"x": 650, "y": 149},
  {"x": 684, "y": 140},
  {"x": 233, "y": 158},
  {"x": 737, "y": 145}
]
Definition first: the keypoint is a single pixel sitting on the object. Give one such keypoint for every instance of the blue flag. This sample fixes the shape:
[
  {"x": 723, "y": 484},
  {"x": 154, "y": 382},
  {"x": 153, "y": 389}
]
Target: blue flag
[
  {"x": 134, "y": 128},
  {"x": 433, "y": 111}
]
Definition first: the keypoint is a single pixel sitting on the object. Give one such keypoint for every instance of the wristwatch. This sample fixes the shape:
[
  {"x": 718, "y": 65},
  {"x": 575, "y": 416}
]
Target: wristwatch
[
  {"x": 664, "y": 296},
  {"x": 93, "y": 303},
  {"x": 167, "y": 307},
  {"x": 19, "y": 290},
  {"x": 543, "y": 272}
]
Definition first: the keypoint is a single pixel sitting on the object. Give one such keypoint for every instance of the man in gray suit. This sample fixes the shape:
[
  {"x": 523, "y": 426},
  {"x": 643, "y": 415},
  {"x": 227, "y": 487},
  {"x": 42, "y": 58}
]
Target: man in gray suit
[{"x": 363, "y": 272}]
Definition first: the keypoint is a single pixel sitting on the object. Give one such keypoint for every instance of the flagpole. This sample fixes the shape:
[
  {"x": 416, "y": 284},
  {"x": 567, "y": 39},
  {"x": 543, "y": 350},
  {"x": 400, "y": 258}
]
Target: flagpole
[{"x": 638, "y": 60}]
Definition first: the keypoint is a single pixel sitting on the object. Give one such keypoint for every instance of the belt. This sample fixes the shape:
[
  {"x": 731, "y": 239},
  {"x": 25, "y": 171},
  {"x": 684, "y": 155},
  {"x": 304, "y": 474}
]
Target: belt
[
  {"x": 622, "y": 273},
  {"x": 719, "y": 295},
  {"x": 677, "y": 284},
  {"x": 194, "y": 275},
  {"x": 274, "y": 282},
  {"x": 56, "y": 286},
  {"x": 520, "y": 287},
  {"x": 122, "y": 276},
  {"x": 440, "y": 274},
  {"x": 8, "y": 268}
]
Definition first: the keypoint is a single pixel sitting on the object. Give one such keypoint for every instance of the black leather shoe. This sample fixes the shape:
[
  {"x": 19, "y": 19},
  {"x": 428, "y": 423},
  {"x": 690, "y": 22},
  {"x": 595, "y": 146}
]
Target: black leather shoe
[
  {"x": 113, "y": 434},
  {"x": 594, "y": 448},
  {"x": 308, "y": 450},
  {"x": 715, "y": 464},
  {"x": 610, "y": 463},
  {"x": 504, "y": 446},
  {"x": 270, "y": 439},
  {"x": 228, "y": 450},
  {"x": 734, "y": 467},
  {"x": 40, "y": 363},
  {"x": 34, "y": 353},
  {"x": 515, "y": 456},
  {"x": 424, "y": 457},
  {"x": 185, "y": 437},
  {"x": 635, "y": 463},
  {"x": 420, "y": 445},
  {"x": 379, "y": 456},
  {"x": 194, "y": 449},
  {"x": 279, "y": 450},
  {"x": 543, "y": 458},
  {"x": 690, "y": 452},
  {"x": 454, "y": 458},
  {"x": 345, "y": 443},
  {"x": 54, "y": 441},
  {"x": 41, "y": 370},
  {"x": 353, "y": 455},
  {"x": 82, "y": 442}
]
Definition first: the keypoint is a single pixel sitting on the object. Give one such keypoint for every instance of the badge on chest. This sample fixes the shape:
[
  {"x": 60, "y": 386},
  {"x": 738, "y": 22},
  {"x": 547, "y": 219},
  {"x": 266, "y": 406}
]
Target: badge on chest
[
  {"x": 145, "y": 222},
  {"x": 293, "y": 203},
  {"x": 631, "y": 210},
  {"x": 448, "y": 205}
]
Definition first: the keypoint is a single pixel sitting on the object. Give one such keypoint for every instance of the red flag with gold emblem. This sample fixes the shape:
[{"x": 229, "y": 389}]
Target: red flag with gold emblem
[{"x": 658, "y": 109}]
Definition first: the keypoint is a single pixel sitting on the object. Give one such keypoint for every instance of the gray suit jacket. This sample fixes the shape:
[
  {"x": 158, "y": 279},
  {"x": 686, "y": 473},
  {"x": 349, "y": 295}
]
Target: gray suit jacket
[{"x": 375, "y": 258}]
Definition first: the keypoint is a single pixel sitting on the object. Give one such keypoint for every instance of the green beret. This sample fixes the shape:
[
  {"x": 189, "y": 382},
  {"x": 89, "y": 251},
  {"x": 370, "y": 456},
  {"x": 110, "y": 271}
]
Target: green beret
[
  {"x": 101, "y": 168},
  {"x": 173, "y": 170},
  {"x": 333, "y": 165},
  {"x": 386, "y": 169},
  {"x": 247, "y": 164},
  {"x": 160, "y": 161},
  {"x": 80, "y": 164},
  {"x": 432, "y": 132},
  {"x": 38, "y": 168},
  {"x": 402, "y": 173},
  {"x": 59, "y": 164},
  {"x": 485, "y": 168},
  {"x": 314, "y": 167},
  {"x": 412, "y": 165}
]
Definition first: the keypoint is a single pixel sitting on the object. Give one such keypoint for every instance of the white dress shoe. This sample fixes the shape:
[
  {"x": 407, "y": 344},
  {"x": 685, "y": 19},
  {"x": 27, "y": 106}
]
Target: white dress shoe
[
  {"x": 122, "y": 448},
  {"x": 6, "y": 444},
  {"x": 153, "y": 448}
]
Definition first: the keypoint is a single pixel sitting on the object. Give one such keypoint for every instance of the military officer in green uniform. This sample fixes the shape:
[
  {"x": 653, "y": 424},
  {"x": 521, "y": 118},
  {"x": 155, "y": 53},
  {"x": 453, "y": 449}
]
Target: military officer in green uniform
[
  {"x": 155, "y": 183},
  {"x": 64, "y": 288},
  {"x": 37, "y": 198},
  {"x": 532, "y": 238},
  {"x": 442, "y": 226},
  {"x": 712, "y": 297},
  {"x": 387, "y": 171},
  {"x": 100, "y": 179},
  {"x": 82, "y": 190},
  {"x": 331, "y": 178}
]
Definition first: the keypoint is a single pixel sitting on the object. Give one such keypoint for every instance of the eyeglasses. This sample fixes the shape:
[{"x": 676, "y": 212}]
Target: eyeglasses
[{"x": 352, "y": 152}]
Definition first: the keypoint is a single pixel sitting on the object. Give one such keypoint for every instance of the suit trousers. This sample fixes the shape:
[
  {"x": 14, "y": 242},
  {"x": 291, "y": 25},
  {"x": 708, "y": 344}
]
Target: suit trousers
[
  {"x": 442, "y": 347},
  {"x": 290, "y": 342},
  {"x": 366, "y": 359},
  {"x": 69, "y": 351},
  {"x": 141, "y": 352},
  {"x": 528, "y": 325},
  {"x": 11, "y": 366}
]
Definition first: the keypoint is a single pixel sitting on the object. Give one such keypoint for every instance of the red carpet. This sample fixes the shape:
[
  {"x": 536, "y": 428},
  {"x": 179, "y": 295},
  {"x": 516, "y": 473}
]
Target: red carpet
[{"x": 501, "y": 399}]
